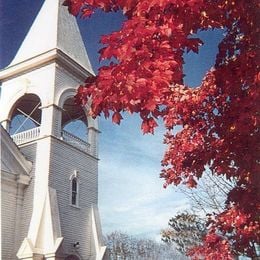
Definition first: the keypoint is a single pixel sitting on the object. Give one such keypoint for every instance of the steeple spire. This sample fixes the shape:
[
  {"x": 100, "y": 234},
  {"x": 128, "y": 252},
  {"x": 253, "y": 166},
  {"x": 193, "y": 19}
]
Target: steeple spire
[{"x": 53, "y": 28}]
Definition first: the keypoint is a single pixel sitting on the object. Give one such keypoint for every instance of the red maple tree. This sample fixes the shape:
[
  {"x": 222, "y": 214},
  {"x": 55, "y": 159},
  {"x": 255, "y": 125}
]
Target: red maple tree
[{"x": 220, "y": 118}]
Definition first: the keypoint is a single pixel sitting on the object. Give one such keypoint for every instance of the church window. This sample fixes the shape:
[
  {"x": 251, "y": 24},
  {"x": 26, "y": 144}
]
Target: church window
[{"x": 74, "y": 189}]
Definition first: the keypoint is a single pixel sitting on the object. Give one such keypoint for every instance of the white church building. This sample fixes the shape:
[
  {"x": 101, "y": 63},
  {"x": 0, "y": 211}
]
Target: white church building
[{"x": 49, "y": 174}]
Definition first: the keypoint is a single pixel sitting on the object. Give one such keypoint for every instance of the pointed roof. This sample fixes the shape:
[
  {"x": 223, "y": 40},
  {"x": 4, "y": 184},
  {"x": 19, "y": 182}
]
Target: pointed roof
[{"x": 54, "y": 28}]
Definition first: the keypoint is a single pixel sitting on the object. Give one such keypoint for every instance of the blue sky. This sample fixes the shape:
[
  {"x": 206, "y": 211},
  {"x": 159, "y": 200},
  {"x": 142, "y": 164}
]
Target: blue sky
[{"x": 131, "y": 196}]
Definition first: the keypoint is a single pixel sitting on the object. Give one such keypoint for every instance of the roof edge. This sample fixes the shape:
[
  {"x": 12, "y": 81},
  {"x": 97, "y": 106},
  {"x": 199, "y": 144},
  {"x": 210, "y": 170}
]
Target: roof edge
[{"x": 7, "y": 141}]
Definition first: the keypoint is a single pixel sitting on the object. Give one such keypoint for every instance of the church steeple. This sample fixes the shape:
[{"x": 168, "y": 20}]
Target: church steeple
[
  {"x": 53, "y": 29},
  {"x": 56, "y": 211}
]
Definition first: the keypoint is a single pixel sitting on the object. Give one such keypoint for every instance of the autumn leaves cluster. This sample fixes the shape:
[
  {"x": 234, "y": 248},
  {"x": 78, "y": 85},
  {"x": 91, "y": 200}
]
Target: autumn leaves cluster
[{"x": 219, "y": 118}]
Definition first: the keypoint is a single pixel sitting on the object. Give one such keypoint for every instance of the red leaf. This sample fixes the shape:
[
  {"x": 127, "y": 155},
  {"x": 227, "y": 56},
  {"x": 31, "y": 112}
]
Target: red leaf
[
  {"x": 148, "y": 125},
  {"x": 74, "y": 6},
  {"x": 86, "y": 12},
  {"x": 116, "y": 118},
  {"x": 191, "y": 183}
]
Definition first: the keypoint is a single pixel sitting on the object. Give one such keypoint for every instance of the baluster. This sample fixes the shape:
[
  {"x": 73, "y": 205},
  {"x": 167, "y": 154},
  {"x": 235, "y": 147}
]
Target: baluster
[{"x": 75, "y": 141}]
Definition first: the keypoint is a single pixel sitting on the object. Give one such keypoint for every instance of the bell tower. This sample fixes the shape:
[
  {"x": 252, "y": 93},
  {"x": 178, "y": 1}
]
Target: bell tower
[{"x": 59, "y": 215}]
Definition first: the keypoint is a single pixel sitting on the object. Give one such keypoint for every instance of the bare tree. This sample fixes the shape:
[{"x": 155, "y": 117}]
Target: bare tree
[
  {"x": 210, "y": 194},
  {"x": 118, "y": 245},
  {"x": 122, "y": 246}
]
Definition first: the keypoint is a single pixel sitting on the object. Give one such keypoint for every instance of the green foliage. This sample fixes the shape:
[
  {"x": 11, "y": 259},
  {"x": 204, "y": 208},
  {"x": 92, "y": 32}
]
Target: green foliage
[{"x": 185, "y": 230}]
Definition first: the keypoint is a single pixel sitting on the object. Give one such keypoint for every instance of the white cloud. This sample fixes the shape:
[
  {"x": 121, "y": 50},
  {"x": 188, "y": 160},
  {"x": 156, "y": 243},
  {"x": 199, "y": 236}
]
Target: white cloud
[{"x": 132, "y": 197}]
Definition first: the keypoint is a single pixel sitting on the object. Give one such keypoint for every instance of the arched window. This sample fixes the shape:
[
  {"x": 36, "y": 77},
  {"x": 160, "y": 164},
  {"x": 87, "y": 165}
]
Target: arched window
[{"x": 74, "y": 189}]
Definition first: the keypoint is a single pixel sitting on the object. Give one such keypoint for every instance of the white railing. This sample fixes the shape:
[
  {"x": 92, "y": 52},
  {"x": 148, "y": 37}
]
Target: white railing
[
  {"x": 26, "y": 136},
  {"x": 75, "y": 141}
]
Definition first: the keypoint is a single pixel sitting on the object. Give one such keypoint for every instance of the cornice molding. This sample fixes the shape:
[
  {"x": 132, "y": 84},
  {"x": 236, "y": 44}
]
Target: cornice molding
[{"x": 52, "y": 56}]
